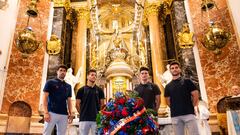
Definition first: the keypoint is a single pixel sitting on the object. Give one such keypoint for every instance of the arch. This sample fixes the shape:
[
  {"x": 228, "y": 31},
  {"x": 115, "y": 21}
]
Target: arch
[{"x": 19, "y": 117}]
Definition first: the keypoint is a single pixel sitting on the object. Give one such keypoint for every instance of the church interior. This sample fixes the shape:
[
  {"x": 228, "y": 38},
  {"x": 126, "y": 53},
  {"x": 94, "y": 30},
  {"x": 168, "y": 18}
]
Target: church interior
[{"x": 116, "y": 37}]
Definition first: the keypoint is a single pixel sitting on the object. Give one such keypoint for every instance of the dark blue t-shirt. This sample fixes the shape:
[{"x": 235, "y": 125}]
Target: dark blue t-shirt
[
  {"x": 59, "y": 91},
  {"x": 90, "y": 102},
  {"x": 179, "y": 91}
]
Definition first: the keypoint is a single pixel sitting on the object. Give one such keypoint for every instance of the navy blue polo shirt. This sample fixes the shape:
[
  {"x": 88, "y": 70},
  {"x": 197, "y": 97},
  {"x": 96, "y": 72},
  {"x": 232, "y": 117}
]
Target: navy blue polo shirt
[{"x": 59, "y": 91}]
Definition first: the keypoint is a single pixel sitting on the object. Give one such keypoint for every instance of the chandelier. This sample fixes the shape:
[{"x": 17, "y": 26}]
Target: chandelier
[
  {"x": 214, "y": 37},
  {"x": 26, "y": 41}
]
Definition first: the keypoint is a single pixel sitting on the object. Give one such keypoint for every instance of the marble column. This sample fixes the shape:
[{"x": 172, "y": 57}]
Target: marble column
[
  {"x": 157, "y": 41},
  {"x": 81, "y": 42},
  {"x": 68, "y": 43},
  {"x": 184, "y": 56},
  {"x": 58, "y": 28}
]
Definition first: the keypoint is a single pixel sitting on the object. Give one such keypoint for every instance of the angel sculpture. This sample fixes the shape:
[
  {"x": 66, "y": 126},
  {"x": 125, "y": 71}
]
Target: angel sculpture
[
  {"x": 166, "y": 77},
  {"x": 73, "y": 80}
]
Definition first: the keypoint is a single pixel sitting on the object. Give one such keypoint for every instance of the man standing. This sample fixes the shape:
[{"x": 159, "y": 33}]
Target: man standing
[
  {"x": 57, "y": 104},
  {"x": 89, "y": 100},
  {"x": 182, "y": 96},
  {"x": 148, "y": 91}
]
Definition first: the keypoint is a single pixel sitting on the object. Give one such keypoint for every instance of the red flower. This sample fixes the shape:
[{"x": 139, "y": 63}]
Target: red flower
[
  {"x": 145, "y": 130},
  {"x": 106, "y": 113},
  {"x": 139, "y": 103},
  {"x": 124, "y": 128},
  {"x": 124, "y": 112},
  {"x": 121, "y": 100}
]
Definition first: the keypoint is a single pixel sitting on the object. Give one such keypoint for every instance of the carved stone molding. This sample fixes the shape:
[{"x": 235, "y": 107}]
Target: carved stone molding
[{"x": 83, "y": 13}]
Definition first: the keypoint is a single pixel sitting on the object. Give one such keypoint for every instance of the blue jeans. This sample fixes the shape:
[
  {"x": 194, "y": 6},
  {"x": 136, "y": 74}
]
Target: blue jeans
[
  {"x": 59, "y": 120},
  {"x": 86, "y": 126},
  {"x": 188, "y": 122}
]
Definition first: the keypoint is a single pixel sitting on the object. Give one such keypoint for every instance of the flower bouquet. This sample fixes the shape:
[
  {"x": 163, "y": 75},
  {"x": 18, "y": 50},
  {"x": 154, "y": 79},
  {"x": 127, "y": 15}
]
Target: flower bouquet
[{"x": 126, "y": 115}]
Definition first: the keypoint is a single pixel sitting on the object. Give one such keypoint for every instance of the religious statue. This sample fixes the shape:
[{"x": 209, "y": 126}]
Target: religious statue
[
  {"x": 185, "y": 37},
  {"x": 116, "y": 39},
  {"x": 166, "y": 77},
  {"x": 93, "y": 57},
  {"x": 53, "y": 45},
  {"x": 73, "y": 80},
  {"x": 142, "y": 54},
  {"x": 117, "y": 48}
]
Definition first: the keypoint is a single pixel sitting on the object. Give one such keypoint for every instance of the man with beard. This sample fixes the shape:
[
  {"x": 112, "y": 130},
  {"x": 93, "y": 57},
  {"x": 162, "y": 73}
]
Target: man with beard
[
  {"x": 89, "y": 100},
  {"x": 182, "y": 96},
  {"x": 57, "y": 104}
]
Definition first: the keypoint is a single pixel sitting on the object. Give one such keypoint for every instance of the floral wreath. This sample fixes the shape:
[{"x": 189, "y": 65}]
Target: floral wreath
[{"x": 125, "y": 115}]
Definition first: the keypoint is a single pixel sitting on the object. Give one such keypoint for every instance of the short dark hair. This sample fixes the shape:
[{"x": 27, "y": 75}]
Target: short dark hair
[
  {"x": 143, "y": 69},
  {"x": 91, "y": 70},
  {"x": 174, "y": 63},
  {"x": 62, "y": 66}
]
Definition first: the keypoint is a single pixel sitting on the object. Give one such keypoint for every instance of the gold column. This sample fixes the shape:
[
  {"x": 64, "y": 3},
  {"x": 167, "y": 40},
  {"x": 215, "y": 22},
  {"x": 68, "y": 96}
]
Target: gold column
[
  {"x": 81, "y": 42},
  {"x": 157, "y": 41}
]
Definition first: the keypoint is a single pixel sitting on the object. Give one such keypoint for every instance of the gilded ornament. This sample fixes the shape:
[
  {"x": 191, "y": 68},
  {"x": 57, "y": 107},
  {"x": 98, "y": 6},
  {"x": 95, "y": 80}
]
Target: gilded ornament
[
  {"x": 119, "y": 84},
  {"x": 59, "y": 3},
  {"x": 93, "y": 63},
  {"x": 185, "y": 37},
  {"x": 215, "y": 38},
  {"x": 83, "y": 13},
  {"x": 27, "y": 42},
  {"x": 145, "y": 20},
  {"x": 207, "y": 4},
  {"x": 53, "y": 45},
  {"x": 167, "y": 4},
  {"x": 118, "y": 50},
  {"x": 142, "y": 54},
  {"x": 222, "y": 121},
  {"x": 152, "y": 9},
  {"x": 69, "y": 10},
  {"x": 32, "y": 8}
]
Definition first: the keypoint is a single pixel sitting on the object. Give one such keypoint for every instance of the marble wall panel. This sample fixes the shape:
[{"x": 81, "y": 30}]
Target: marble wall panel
[
  {"x": 184, "y": 56},
  {"x": 25, "y": 74},
  {"x": 220, "y": 71},
  {"x": 58, "y": 29}
]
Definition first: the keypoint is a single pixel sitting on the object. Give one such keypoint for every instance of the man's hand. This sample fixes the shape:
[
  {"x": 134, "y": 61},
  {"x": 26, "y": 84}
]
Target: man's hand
[
  {"x": 70, "y": 119},
  {"x": 47, "y": 117}
]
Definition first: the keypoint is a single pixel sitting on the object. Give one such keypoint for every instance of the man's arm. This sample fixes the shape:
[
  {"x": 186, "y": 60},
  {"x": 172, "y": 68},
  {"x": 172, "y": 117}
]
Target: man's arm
[
  {"x": 195, "y": 95},
  {"x": 45, "y": 107},
  {"x": 167, "y": 101},
  {"x": 157, "y": 101},
  {"x": 101, "y": 104},
  {"x": 78, "y": 104},
  {"x": 70, "y": 117}
]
